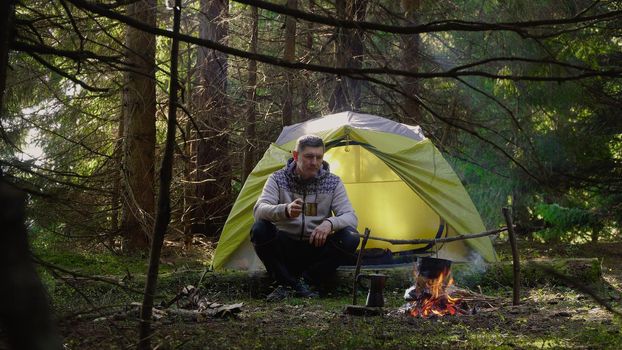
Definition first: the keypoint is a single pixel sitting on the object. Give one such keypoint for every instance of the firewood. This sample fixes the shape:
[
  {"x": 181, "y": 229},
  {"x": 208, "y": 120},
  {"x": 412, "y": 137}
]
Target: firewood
[{"x": 191, "y": 306}]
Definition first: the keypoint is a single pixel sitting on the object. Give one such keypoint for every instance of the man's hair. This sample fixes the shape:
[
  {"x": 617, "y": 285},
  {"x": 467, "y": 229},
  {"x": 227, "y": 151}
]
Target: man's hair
[{"x": 308, "y": 141}]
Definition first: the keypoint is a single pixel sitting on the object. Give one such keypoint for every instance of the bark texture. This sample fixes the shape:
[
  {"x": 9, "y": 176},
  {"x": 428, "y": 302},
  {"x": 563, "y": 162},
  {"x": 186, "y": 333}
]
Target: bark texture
[
  {"x": 349, "y": 54},
  {"x": 411, "y": 62},
  {"x": 289, "y": 54},
  {"x": 7, "y": 13},
  {"x": 163, "y": 214},
  {"x": 250, "y": 134},
  {"x": 139, "y": 111},
  {"x": 213, "y": 167}
]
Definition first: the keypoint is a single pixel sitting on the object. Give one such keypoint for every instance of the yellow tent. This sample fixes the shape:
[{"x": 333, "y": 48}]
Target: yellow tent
[{"x": 400, "y": 185}]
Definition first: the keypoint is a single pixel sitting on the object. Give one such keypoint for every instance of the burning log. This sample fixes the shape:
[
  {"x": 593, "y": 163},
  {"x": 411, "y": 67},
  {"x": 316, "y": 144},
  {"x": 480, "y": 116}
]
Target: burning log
[{"x": 430, "y": 294}]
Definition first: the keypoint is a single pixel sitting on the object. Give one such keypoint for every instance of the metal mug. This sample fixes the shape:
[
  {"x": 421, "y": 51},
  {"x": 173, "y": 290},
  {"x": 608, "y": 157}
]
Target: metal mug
[
  {"x": 310, "y": 209},
  {"x": 377, "y": 282}
]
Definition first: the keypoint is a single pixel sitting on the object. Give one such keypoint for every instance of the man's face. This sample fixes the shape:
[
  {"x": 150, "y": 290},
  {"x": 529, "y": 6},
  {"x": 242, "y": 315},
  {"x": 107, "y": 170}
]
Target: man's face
[{"x": 308, "y": 161}]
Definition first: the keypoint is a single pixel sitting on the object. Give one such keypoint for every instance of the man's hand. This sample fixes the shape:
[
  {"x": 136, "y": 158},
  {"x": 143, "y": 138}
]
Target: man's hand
[
  {"x": 320, "y": 233},
  {"x": 294, "y": 208}
]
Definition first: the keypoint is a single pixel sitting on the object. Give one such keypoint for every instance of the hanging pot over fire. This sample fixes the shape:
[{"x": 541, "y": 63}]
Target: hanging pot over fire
[
  {"x": 429, "y": 296},
  {"x": 432, "y": 268}
]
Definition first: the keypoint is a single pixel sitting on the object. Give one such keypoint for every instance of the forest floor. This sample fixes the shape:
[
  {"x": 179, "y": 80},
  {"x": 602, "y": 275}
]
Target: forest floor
[{"x": 551, "y": 315}]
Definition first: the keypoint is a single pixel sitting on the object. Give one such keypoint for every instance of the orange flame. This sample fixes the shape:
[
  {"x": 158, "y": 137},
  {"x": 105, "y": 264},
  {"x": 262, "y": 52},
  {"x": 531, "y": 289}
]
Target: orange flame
[{"x": 432, "y": 298}]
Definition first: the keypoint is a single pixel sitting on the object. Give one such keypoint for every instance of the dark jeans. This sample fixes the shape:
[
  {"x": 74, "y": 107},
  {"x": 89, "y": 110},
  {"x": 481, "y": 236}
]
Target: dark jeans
[{"x": 287, "y": 259}]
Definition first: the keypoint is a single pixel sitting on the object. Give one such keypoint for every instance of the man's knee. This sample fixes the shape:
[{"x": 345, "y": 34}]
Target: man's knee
[
  {"x": 263, "y": 232},
  {"x": 347, "y": 239}
]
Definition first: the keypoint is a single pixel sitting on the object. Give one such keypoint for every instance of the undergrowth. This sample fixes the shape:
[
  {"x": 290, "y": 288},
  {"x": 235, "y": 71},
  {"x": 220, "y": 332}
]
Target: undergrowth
[{"x": 552, "y": 315}]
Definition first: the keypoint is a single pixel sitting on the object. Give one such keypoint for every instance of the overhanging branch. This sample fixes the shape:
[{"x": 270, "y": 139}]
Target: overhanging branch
[
  {"x": 79, "y": 56},
  {"x": 64, "y": 74},
  {"x": 520, "y": 28},
  {"x": 350, "y": 72}
]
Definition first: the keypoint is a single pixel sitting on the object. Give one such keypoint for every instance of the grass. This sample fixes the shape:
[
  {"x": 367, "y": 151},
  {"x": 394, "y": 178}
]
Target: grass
[{"x": 551, "y": 316}]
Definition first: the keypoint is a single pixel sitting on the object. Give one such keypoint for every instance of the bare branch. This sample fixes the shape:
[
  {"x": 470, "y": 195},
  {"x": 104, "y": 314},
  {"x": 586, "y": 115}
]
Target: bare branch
[
  {"x": 439, "y": 26},
  {"x": 64, "y": 74},
  {"x": 110, "y": 281},
  {"x": 78, "y": 56},
  {"x": 350, "y": 72}
]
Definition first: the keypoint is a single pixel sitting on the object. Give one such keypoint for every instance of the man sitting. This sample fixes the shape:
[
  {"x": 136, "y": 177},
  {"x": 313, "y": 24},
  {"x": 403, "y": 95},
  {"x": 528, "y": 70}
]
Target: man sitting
[{"x": 304, "y": 223}]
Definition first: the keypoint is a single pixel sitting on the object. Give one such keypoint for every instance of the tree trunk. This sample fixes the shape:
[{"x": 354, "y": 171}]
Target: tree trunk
[
  {"x": 250, "y": 136},
  {"x": 163, "y": 215},
  {"x": 349, "y": 54},
  {"x": 139, "y": 142},
  {"x": 289, "y": 54},
  {"x": 411, "y": 56},
  {"x": 189, "y": 158},
  {"x": 358, "y": 51},
  {"x": 7, "y": 13},
  {"x": 188, "y": 186},
  {"x": 213, "y": 168},
  {"x": 307, "y": 90},
  {"x": 116, "y": 185},
  {"x": 24, "y": 304},
  {"x": 338, "y": 100}
]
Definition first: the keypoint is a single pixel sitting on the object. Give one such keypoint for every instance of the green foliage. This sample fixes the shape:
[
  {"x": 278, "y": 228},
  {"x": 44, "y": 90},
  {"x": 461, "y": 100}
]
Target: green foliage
[
  {"x": 565, "y": 222},
  {"x": 513, "y": 142},
  {"x": 64, "y": 252},
  {"x": 556, "y": 142},
  {"x": 485, "y": 182}
]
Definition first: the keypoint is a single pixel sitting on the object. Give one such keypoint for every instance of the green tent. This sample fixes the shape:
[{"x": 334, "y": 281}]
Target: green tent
[{"x": 400, "y": 185}]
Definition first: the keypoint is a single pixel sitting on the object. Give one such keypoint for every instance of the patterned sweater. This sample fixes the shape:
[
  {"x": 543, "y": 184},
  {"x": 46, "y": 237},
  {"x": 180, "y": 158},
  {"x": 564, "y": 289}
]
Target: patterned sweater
[{"x": 325, "y": 189}]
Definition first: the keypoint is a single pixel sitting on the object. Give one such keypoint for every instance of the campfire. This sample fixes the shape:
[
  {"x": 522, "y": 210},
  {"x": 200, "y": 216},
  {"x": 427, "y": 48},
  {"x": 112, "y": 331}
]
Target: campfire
[{"x": 429, "y": 297}]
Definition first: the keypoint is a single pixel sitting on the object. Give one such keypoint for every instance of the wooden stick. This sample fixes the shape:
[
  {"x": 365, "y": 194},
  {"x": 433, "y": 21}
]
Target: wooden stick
[
  {"x": 163, "y": 210},
  {"x": 359, "y": 260},
  {"x": 515, "y": 258},
  {"x": 438, "y": 240}
]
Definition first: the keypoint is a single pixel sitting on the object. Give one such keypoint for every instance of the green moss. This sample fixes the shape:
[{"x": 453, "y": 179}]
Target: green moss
[{"x": 539, "y": 272}]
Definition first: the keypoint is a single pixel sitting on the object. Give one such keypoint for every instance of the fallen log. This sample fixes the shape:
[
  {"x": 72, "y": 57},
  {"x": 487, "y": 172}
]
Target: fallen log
[{"x": 537, "y": 272}]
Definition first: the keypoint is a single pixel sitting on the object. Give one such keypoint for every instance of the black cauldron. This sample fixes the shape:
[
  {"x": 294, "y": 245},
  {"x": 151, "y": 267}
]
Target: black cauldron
[{"x": 431, "y": 268}]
